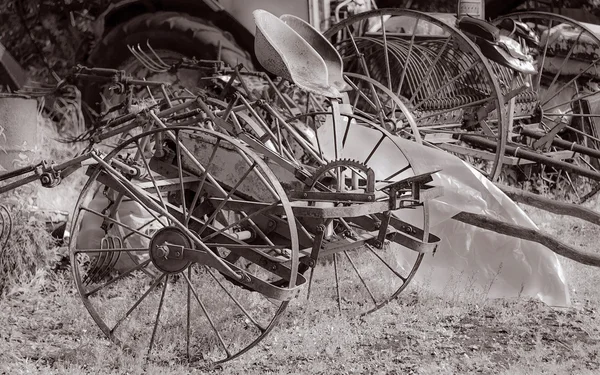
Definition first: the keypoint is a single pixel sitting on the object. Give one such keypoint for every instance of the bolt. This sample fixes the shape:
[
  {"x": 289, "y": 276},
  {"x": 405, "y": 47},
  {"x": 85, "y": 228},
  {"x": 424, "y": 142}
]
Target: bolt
[
  {"x": 378, "y": 244},
  {"x": 304, "y": 195},
  {"x": 163, "y": 251}
]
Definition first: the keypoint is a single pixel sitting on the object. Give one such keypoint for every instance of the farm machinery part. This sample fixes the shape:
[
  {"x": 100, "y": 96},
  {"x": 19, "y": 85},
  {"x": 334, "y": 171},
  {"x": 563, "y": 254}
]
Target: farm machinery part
[{"x": 525, "y": 83}]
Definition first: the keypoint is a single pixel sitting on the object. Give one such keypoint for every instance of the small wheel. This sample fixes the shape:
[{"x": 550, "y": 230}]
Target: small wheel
[
  {"x": 559, "y": 116},
  {"x": 372, "y": 99},
  {"x": 185, "y": 223},
  {"x": 441, "y": 76}
]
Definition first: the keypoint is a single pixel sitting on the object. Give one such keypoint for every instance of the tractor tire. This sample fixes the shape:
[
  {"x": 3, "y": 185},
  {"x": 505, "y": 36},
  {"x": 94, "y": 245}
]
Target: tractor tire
[{"x": 179, "y": 33}]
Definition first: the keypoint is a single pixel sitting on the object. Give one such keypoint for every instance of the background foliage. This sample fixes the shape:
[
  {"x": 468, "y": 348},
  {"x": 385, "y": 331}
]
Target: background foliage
[{"x": 53, "y": 35}]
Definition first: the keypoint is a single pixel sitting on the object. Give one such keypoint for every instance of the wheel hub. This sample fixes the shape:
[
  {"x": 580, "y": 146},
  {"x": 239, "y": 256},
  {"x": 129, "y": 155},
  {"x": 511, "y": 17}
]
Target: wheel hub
[{"x": 166, "y": 250}]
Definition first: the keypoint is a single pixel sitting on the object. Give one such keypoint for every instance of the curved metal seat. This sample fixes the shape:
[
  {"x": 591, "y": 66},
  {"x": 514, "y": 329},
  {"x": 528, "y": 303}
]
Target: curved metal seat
[
  {"x": 324, "y": 48},
  {"x": 284, "y": 52}
]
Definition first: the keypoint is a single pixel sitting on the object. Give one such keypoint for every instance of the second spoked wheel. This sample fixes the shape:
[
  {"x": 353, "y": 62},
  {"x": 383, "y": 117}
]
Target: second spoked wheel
[
  {"x": 350, "y": 275},
  {"x": 363, "y": 279},
  {"x": 168, "y": 254}
]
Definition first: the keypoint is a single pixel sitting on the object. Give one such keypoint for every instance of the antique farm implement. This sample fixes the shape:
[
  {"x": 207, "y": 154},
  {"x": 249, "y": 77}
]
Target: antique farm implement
[
  {"x": 194, "y": 232},
  {"x": 213, "y": 207}
]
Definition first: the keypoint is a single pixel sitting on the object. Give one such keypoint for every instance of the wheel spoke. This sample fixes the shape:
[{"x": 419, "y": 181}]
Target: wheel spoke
[
  {"x": 115, "y": 250},
  {"x": 188, "y": 327},
  {"x": 180, "y": 173},
  {"x": 386, "y": 54},
  {"x": 386, "y": 263},
  {"x": 226, "y": 199},
  {"x": 410, "y": 49},
  {"x": 235, "y": 300},
  {"x": 429, "y": 71},
  {"x": 399, "y": 171},
  {"x": 578, "y": 98},
  {"x": 337, "y": 282},
  {"x": 158, "y": 193},
  {"x": 158, "y": 311},
  {"x": 244, "y": 219},
  {"x": 113, "y": 221},
  {"x": 541, "y": 71},
  {"x": 375, "y": 149},
  {"x": 207, "y": 315},
  {"x": 137, "y": 303},
  {"x": 360, "y": 277},
  {"x": 201, "y": 183},
  {"x": 559, "y": 70}
]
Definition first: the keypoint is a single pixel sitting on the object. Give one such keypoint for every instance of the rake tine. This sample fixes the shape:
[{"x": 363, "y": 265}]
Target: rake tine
[
  {"x": 6, "y": 228},
  {"x": 37, "y": 90},
  {"x": 141, "y": 59},
  {"x": 90, "y": 275},
  {"x": 96, "y": 268},
  {"x": 160, "y": 61},
  {"x": 114, "y": 258},
  {"x": 149, "y": 60},
  {"x": 107, "y": 260}
]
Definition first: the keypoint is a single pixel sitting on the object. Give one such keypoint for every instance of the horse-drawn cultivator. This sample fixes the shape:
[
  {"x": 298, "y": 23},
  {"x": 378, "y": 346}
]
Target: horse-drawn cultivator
[{"x": 208, "y": 209}]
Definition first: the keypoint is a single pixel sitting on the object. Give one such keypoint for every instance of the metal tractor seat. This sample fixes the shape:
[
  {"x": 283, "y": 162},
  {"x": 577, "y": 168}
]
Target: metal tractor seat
[
  {"x": 496, "y": 47},
  {"x": 292, "y": 49},
  {"x": 333, "y": 60}
]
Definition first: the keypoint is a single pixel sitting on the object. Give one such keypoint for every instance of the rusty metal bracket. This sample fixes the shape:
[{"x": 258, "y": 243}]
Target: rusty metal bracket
[{"x": 383, "y": 229}]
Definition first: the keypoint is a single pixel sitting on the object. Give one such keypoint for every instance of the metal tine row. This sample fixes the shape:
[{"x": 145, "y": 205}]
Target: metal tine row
[
  {"x": 104, "y": 263},
  {"x": 153, "y": 63}
]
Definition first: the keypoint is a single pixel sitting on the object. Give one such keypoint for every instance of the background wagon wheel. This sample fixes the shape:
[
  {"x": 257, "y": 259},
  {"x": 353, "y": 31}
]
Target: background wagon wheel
[
  {"x": 563, "y": 104},
  {"x": 195, "y": 309},
  {"x": 438, "y": 72}
]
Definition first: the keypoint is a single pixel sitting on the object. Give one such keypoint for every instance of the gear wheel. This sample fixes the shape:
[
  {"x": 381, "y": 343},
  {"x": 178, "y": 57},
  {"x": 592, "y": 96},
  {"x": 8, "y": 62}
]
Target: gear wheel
[{"x": 320, "y": 175}]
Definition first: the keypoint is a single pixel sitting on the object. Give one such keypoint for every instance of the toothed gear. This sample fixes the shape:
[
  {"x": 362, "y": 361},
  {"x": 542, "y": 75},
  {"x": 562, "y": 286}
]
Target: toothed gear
[{"x": 320, "y": 172}]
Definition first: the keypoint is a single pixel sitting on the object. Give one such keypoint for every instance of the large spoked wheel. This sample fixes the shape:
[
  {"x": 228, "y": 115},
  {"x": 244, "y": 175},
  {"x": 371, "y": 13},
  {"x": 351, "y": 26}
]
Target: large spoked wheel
[
  {"x": 173, "y": 253},
  {"x": 565, "y": 120},
  {"x": 440, "y": 75}
]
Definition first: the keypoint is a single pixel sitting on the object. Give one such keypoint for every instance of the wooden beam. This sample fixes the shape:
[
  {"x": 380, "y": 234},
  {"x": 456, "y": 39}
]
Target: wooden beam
[
  {"x": 550, "y": 205},
  {"x": 529, "y": 234}
]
